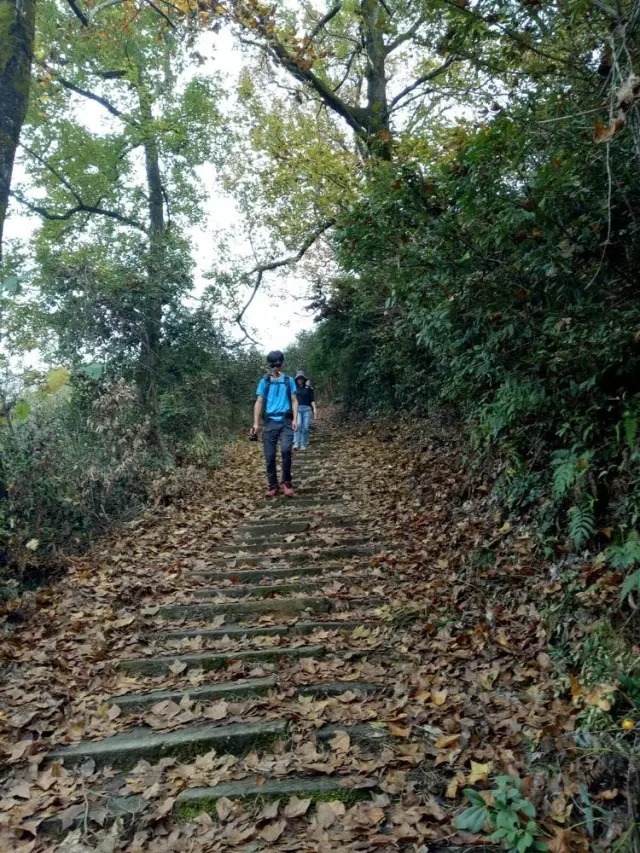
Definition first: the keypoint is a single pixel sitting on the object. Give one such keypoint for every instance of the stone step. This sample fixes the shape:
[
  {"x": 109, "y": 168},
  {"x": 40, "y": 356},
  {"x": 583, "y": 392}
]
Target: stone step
[
  {"x": 126, "y": 749},
  {"x": 193, "y": 801},
  {"x": 322, "y": 503},
  {"x": 263, "y": 573},
  {"x": 238, "y": 609},
  {"x": 294, "y": 525},
  {"x": 299, "y": 556},
  {"x": 216, "y": 660},
  {"x": 262, "y": 591},
  {"x": 296, "y": 629},
  {"x": 297, "y": 545},
  {"x": 136, "y": 702},
  {"x": 133, "y": 702}
]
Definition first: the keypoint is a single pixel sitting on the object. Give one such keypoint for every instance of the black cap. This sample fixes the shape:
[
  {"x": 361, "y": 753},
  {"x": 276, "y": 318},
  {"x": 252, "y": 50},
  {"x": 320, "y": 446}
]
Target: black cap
[{"x": 275, "y": 357}]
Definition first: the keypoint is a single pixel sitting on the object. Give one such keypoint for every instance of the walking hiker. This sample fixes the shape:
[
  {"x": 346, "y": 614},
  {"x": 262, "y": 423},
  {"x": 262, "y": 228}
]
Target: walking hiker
[
  {"x": 306, "y": 410},
  {"x": 277, "y": 404}
]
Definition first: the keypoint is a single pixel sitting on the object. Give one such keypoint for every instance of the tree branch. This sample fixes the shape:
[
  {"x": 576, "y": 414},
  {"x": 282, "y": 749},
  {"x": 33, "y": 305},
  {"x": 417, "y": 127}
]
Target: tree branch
[
  {"x": 321, "y": 24},
  {"x": 78, "y": 13},
  {"x": 78, "y": 208},
  {"x": 161, "y": 13},
  {"x": 92, "y": 97},
  {"x": 354, "y": 116},
  {"x": 422, "y": 79},
  {"x": 261, "y": 269},
  {"x": 409, "y": 34},
  {"x": 101, "y": 7}
]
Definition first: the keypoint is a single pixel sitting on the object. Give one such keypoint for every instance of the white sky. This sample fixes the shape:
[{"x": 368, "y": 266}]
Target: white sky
[{"x": 277, "y": 313}]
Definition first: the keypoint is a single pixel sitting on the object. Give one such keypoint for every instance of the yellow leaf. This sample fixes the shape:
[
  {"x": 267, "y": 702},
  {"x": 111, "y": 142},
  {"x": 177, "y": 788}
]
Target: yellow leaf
[
  {"x": 628, "y": 725},
  {"x": 446, "y": 740},
  {"x": 438, "y": 697},
  {"x": 57, "y": 379},
  {"x": 479, "y": 772}
]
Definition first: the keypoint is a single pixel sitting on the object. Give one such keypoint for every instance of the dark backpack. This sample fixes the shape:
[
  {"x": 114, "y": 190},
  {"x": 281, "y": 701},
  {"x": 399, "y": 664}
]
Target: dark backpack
[{"x": 287, "y": 385}]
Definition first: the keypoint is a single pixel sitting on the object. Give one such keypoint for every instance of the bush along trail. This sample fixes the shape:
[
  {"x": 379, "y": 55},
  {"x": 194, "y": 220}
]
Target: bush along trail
[{"x": 367, "y": 666}]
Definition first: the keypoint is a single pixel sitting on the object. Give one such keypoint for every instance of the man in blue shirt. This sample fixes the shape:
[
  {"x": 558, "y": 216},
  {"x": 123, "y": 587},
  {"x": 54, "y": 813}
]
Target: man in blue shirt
[{"x": 276, "y": 402}]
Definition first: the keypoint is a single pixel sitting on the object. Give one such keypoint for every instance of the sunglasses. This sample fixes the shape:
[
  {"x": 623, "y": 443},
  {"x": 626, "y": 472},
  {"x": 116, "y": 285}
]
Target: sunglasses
[{"x": 274, "y": 363}]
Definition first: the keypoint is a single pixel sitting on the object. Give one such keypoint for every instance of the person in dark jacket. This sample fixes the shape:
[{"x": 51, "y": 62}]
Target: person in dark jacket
[{"x": 307, "y": 411}]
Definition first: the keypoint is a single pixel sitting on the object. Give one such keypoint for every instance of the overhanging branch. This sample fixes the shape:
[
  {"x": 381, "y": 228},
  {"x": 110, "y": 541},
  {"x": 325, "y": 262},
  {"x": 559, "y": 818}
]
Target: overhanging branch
[
  {"x": 81, "y": 207},
  {"x": 424, "y": 78},
  {"x": 261, "y": 269}
]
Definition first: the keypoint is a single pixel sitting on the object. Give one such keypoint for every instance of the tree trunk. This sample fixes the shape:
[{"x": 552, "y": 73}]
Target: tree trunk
[
  {"x": 155, "y": 296},
  {"x": 17, "y": 28},
  {"x": 378, "y": 139}
]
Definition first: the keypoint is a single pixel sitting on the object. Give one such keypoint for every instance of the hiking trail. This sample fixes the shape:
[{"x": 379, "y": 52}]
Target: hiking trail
[{"x": 314, "y": 679}]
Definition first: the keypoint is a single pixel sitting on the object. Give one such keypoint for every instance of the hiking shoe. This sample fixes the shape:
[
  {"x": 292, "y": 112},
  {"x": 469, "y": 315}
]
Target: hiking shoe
[
  {"x": 287, "y": 490},
  {"x": 273, "y": 493},
  {"x": 295, "y": 447}
]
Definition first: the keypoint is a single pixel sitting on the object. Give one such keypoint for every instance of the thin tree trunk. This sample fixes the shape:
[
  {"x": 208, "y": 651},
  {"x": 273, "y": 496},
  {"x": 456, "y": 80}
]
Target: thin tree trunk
[
  {"x": 17, "y": 28},
  {"x": 155, "y": 295}
]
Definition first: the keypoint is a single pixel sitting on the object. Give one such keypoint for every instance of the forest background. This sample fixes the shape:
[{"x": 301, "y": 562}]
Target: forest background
[{"x": 459, "y": 180}]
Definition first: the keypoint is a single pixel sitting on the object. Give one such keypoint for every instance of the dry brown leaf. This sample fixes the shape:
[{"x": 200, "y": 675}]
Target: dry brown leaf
[
  {"x": 328, "y": 813},
  {"x": 273, "y": 831},
  {"x": 296, "y": 807}
]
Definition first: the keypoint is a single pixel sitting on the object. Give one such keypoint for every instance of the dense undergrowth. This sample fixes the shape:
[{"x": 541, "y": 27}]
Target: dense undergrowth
[
  {"x": 76, "y": 456},
  {"x": 493, "y": 282}
]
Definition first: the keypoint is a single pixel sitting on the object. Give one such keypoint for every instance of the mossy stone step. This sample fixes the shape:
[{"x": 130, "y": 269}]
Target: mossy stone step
[
  {"x": 132, "y": 702},
  {"x": 248, "y": 575},
  {"x": 320, "y": 502},
  {"x": 260, "y": 591},
  {"x": 125, "y": 750},
  {"x": 326, "y": 552},
  {"x": 297, "y": 628},
  {"x": 216, "y": 660},
  {"x": 288, "y": 606},
  {"x": 190, "y": 803},
  {"x": 135, "y": 702},
  {"x": 299, "y": 544},
  {"x": 293, "y": 525}
]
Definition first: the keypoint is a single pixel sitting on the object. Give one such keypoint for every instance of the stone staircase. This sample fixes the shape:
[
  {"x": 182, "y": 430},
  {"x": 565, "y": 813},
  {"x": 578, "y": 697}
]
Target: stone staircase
[{"x": 294, "y": 585}]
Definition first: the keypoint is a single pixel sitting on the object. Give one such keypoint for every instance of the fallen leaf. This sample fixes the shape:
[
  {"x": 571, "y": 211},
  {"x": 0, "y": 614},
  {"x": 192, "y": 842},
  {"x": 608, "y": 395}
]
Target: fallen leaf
[
  {"x": 479, "y": 772},
  {"x": 273, "y": 831},
  {"x": 296, "y": 807},
  {"x": 328, "y": 813}
]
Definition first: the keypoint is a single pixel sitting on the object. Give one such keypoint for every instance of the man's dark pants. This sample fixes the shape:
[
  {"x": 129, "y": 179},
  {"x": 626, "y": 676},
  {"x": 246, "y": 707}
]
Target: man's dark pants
[{"x": 271, "y": 432}]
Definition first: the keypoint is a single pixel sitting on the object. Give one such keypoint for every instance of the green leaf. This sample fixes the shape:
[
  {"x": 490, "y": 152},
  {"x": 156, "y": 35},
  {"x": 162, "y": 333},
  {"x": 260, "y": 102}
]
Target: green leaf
[
  {"x": 472, "y": 819},
  {"x": 21, "y": 410},
  {"x": 631, "y": 584},
  {"x": 11, "y": 284}
]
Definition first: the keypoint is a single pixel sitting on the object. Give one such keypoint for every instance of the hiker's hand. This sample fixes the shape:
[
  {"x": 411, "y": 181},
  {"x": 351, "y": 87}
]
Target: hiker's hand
[
  {"x": 294, "y": 425},
  {"x": 254, "y": 429}
]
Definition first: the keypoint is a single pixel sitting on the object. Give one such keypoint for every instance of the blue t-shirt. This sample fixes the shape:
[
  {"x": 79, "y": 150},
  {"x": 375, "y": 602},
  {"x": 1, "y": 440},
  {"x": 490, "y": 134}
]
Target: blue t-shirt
[{"x": 277, "y": 403}]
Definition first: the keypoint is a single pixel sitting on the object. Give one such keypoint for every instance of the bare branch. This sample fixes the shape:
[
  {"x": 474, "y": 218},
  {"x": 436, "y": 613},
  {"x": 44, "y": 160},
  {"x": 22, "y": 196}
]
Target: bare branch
[
  {"x": 61, "y": 178},
  {"x": 78, "y": 13},
  {"x": 409, "y": 34},
  {"x": 424, "y": 78},
  {"x": 161, "y": 13},
  {"x": 261, "y": 269},
  {"x": 79, "y": 208},
  {"x": 92, "y": 97},
  {"x": 321, "y": 24},
  {"x": 101, "y": 7}
]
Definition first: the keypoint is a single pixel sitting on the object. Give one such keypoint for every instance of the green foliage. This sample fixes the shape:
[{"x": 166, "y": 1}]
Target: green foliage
[{"x": 508, "y": 814}]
